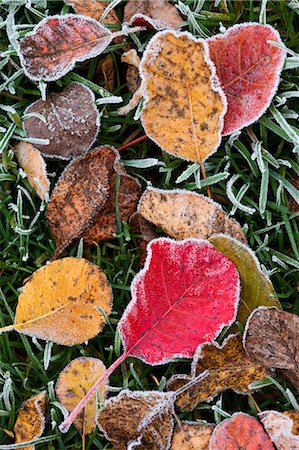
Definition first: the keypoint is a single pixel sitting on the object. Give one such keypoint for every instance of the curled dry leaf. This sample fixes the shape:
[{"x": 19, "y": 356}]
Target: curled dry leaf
[
  {"x": 192, "y": 436},
  {"x": 83, "y": 203},
  {"x": 30, "y": 422},
  {"x": 141, "y": 226},
  {"x": 157, "y": 14},
  {"x": 58, "y": 42},
  {"x": 94, "y": 9},
  {"x": 229, "y": 368},
  {"x": 133, "y": 79},
  {"x": 58, "y": 302},
  {"x": 184, "y": 104},
  {"x": 34, "y": 165},
  {"x": 241, "y": 431},
  {"x": 71, "y": 122},
  {"x": 183, "y": 214},
  {"x": 271, "y": 337},
  {"x": 256, "y": 287},
  {"x": 105, "y": 72},
  {"x": 73, "y": 383},
  {"x": 279, "y": 428},
  {"x": 144, "y": 417},
  {"x": 248, "y": 67}
]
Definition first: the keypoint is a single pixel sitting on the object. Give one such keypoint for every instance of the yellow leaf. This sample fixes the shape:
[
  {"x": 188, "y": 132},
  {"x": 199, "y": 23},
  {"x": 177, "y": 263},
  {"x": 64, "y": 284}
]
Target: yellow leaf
[
  {"x": 30, "y": 422},
  {"x": 192, "y": 436},
  {"x": 58, "y": 302},
  {"x": 73, "y": 382},
  {"x": 184, "y": 104}
]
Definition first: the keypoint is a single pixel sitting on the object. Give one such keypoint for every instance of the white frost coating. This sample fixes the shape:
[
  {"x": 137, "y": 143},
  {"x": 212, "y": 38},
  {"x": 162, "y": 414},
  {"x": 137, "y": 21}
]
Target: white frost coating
[
  {"x": 278, "y": 70},
  {"x": 255, "y": 311},
  {"x": 134, "y": 300},
  {"x": 104, "y": 41},
  {"x": 152, "y": 52},
  {"x": 279, "y": 428}
]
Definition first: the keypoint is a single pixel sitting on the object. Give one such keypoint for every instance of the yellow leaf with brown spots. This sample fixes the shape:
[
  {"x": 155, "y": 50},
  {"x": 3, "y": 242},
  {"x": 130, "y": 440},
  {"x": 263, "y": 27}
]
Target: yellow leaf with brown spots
[
  {"x": 184, "y": 103},
  {"x": 73, "y": 382},
  {"x": 229, "y": 367},
  {"x": 183, "y": 214},
  {"x": 94, "y": 9},
  {"x": 30, "y": 422},
  {"x": 192, "y": 436},
  {"x": 58, "y": 302}
]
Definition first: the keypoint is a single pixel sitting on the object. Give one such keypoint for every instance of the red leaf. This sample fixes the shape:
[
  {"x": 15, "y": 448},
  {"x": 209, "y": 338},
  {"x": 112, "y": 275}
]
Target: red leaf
[
  {"x": 240, "y": 432},
  {"x": 58, "y": 42},
  {"x": 248, "y": 67},
  {"x": 187, "y": 292}
]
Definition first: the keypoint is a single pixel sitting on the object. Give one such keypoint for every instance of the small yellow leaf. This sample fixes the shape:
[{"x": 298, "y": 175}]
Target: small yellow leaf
[
  {"x": 192, "y": 436},
  {"x": 73, "y": 382},
  {"x": 30, "y": 422},
  {"x": 58, "y": 302},
  {"x": 31, "y": 160},
  {"x": 184, "y": 104}
]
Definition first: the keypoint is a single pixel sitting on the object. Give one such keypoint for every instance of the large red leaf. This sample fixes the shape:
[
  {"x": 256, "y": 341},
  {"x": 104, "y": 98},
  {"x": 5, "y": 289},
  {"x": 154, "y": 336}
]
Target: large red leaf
[
  {"x": 186, "y": 293},
  {"x": 248, "y": 67},
  {"x": 58, "y": 42},
  {"x": 241, "y": 431}
]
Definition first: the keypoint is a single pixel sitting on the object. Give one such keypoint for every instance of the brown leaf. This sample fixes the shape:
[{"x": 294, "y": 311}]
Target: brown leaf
[
  {"x": 183, "y": 214},
  {"x": 158, "y": 14},
  {"x": 279, "y": 427},
  {"x": 73, "y": 382},
  {"x": 105, "y": 71},
  {"x": 192, "y": 436},
  {"x": 271, "y": 337},
  {"x": 94, "y": 9},
  {"x": 34, "y": 165},
  {"x": 133, "y": 79},
  {"x": 30, "y": 422},
  {"x": 184, "y": 104},
  {"x": 229, "y": 368},
  {"x": 294, "y": 415},
  {"x": 293, "y": 205},
  {"x": 72, "y": 122},
  {"x": 139, "y": 416},
  {"x": 141, "y": 226}
]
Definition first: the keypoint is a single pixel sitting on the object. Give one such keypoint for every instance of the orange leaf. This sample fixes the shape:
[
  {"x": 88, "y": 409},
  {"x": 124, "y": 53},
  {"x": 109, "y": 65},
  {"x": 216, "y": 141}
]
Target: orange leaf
[{"x": 30, "y": 422}]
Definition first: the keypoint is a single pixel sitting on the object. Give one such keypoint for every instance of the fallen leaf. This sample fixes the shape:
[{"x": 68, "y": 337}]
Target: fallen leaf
[
  {"x": 58, "y": 302},
  {"x": 73, "y": 383},
  {"x": 248, "y": 67},
  {"x": 71, "y": 122},
  {"x": 184, "y": 105},
  {"x": 271, "y": 337},
  {"x": 241, "y": 431},
  {"x": 293, "y": 205},
  {"x": 139, "y": 416},
  {"x": 32, "y": 162},
  {"x": 229, "y": 368},
  {"x": 157, "y": 14},
  {"x": 58, "y": 42},
  {"x": 294, "y": 415},
  {"x": 256, "y": 287},
  {"x": 105, "y": 71},
  {"x": 30, "y": 423},
  {"x": 192, "y": 436},
  {"x": 94, "y": 9},
  {"x": 187, "y": 292},
  {"x": 138, "y": 225},
  {"x": 279, "y": 428},
  {"x": 137, "y": 96},
  {"x": 132, "y": 76},
  {"x": 183, "y": 214}
]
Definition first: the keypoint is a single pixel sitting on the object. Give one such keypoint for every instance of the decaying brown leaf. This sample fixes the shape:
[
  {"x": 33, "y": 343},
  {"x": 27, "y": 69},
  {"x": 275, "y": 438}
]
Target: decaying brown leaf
[
  {"x": 32, "y": 162},
  {"x": 71, "y": 122},
  {"x": 73, "y": 382},
  {"x": 256, "y": 287},
  {"x": 94, "y": 9},
  {"x": 133, "y": 79},
  {"x": 141, "y": 226},
  {"x": 83, "y": 203},
  {"x": 192, "y": 436},
  {"x": 141, "y": 417},
  {"x": 58, "y": 302},
  {"x": 158, "y": 14},
  {"x": 106, "y": 72},
  {"x": 271, "y": 337},
  {"x": 183, "y": 214},
  {"x": 184, "y": 104},
  {"x": 279, "y": 428},
  {"x": 229, "y": 368},
  {"x": 30, "y": 422}
]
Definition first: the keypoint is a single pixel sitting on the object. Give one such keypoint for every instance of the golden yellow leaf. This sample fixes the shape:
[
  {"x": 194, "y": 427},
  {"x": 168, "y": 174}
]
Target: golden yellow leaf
[
  {"x": 58, "y": 302},
  {"x": 192, "y": 436},
  {"x": 183, "y": 214},
  {"x": 31, "y": 160},
  {"x": 73, "y": 382},
  {"x": 30, "y": 422},
  {"x": 184, "y": 104}
]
